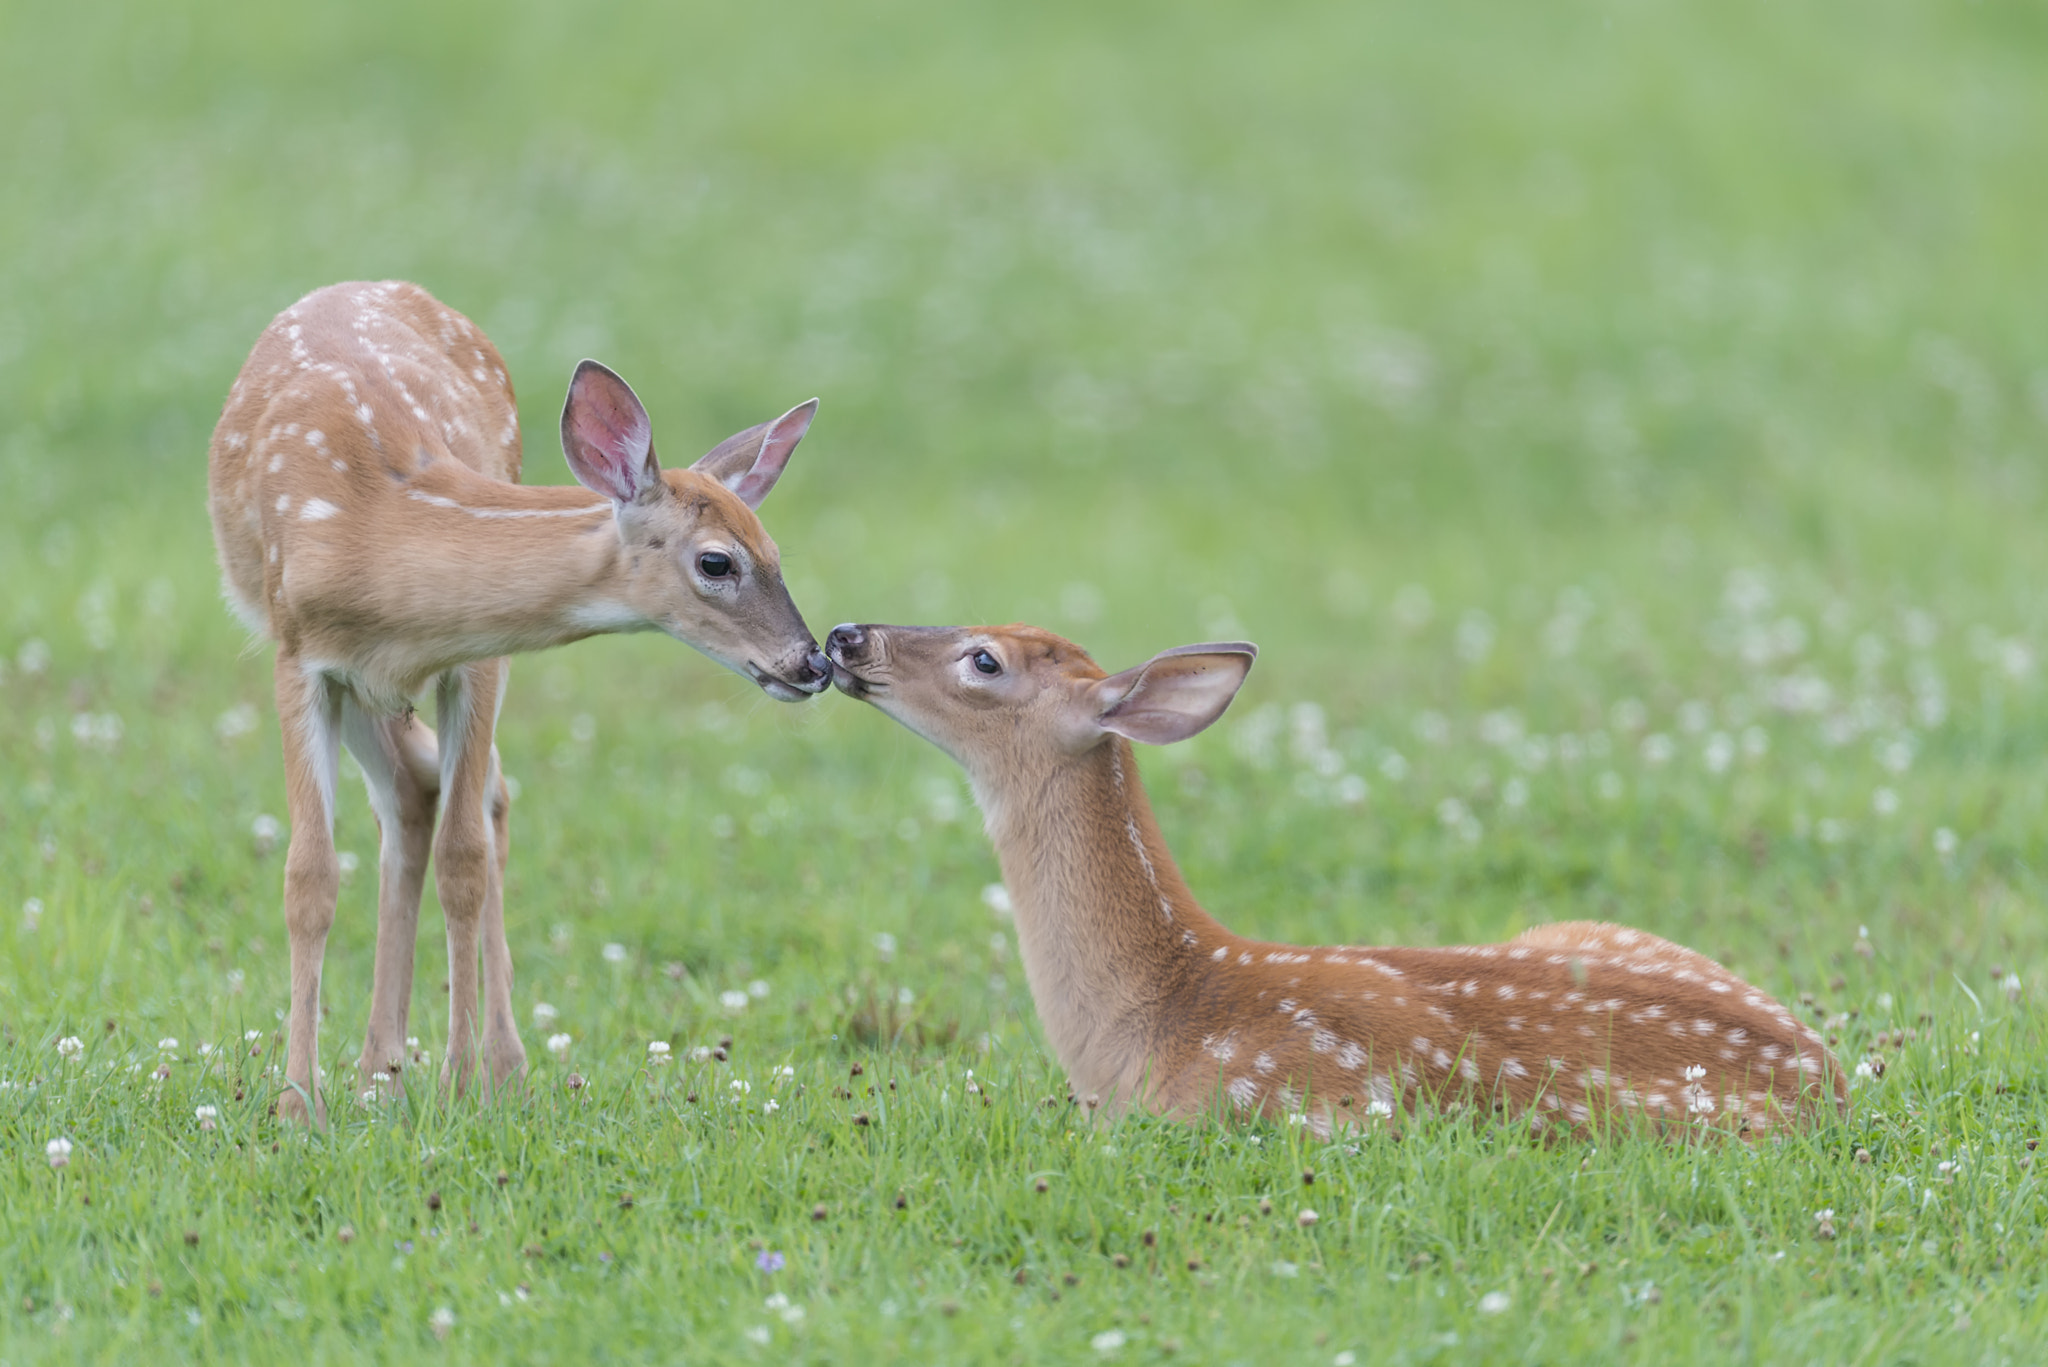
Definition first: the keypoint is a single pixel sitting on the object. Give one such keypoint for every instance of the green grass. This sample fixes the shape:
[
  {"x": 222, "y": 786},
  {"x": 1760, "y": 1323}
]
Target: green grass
[{"x": 1585, "y": 372}]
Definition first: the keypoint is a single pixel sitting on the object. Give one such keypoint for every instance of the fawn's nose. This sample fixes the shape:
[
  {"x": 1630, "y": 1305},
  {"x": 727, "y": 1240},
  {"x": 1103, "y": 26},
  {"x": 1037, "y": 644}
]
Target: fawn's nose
[
  {"x": 846, "y": 641},
  {"x": 817, "y": 669}
]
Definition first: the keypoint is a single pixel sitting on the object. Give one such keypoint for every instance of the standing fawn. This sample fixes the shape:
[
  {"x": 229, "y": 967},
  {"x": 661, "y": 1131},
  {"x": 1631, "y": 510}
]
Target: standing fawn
[
  {"x": 366, "y": 506},
  {"x": 1150, "y": 1002}
]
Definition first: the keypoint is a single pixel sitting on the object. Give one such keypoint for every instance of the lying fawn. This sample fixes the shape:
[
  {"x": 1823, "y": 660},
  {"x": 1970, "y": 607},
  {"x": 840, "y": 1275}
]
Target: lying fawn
[
  {"x": 366, "y": 506},
  {"x": 1148, "y": 1001}
]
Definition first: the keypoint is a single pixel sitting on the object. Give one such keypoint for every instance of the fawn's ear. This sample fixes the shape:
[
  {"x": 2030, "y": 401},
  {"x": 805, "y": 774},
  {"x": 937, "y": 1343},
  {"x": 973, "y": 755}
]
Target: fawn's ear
[
  {"x": 749, "y": 462},
  {"x": 1175, "y": 694},
  {"x": 607, "y": 438}
]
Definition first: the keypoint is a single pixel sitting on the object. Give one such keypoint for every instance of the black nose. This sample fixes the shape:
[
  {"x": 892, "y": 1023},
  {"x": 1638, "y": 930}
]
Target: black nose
[
  {"x": 846, "y": 639},
  {"x": 816, "y": 666}
]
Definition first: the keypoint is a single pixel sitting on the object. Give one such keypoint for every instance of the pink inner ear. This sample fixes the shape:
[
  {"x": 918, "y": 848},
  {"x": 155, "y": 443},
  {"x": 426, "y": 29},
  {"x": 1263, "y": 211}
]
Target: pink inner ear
[
  {"x": 776, "y": 447},
  {"x": 606, "y": 435}
]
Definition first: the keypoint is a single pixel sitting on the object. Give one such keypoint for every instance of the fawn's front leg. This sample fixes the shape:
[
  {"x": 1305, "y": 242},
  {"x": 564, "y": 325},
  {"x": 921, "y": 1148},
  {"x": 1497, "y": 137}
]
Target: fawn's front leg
[
  {"x": 504, "y": 1055},
  {"x": 464, "y": 859}
]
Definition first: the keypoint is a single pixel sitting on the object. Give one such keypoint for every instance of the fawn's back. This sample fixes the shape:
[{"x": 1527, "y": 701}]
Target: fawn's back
[{"x": 349, "y": 398}]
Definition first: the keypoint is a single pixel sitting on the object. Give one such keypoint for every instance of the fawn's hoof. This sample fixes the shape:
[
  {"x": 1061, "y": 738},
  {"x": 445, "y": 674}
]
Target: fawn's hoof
[
  {"x": 292, "y": 1108},
  {"x": 507, "y": 1066}
]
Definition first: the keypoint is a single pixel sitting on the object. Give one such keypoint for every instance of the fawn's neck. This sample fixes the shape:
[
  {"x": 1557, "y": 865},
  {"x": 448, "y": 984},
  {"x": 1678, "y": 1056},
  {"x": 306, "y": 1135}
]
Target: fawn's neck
[
  {"x": 466, "y": 568},
  {"x": 1110, "y": 935},
  {"x": 543, "y": 563}
]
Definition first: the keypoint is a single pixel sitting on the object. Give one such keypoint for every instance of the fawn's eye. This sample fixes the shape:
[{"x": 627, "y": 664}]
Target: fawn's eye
[
  {"x": 985, "y": 662},
  {"x": 714, "y": 564}
]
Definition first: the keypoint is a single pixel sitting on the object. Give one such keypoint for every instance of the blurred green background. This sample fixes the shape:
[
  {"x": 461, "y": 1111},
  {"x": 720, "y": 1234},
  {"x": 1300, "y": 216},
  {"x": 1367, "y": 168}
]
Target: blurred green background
[
  {"x": 1622, "y": 426},
  {"x": 1465, "y": 356}
]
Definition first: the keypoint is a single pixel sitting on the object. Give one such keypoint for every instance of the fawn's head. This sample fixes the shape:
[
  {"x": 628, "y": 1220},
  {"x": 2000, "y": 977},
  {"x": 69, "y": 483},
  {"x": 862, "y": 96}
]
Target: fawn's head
[
  {"x": 1006, "y": 699},
  {"x": 699, "y": 563}
]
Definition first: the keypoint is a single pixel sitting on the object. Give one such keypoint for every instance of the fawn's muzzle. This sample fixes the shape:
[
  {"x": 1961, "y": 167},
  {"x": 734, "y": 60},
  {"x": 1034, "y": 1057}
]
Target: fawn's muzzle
[
  {"x": 849, "y": 647},
  {"x": 847, "y": 643}
]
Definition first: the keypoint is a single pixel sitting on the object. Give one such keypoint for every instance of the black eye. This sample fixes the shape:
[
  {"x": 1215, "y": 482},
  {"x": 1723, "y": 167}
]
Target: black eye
[
  {"x": 715, "y": 564},
  {"x": 985, "y": 662}
]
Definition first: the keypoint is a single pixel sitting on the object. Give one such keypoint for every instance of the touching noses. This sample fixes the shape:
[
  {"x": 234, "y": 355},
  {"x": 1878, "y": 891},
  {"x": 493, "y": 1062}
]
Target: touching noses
[
  {"x": 847, "y": 641},
  {"x": 816, "y": 671}
]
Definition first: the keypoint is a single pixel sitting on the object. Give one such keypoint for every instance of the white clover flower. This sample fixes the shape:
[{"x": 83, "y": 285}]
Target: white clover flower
[
  {"x": 71, "y": 1047},
  {"x": 996, "y": 898},
  {"x": 265, "y": 830},
  {"x": 558, "y": 1045},
  {"x": 1494, "y": 1302},
  {"x": 786, "y": 1071},
  {"x": 701, "y": 1054},
  {"x": 1864, "y": 1071},
  {"x": 740, "y": 1086},
  {"x": 657, "y": 1051},
  {"x": 615, "y": 953},
  {"x": 1307, "y": 1219},
  {"x": 206, "y": 1115},
  {"x": 167, "y": 1045},
  {"x": 1108, "y": 1341},
  {"x": 770, "y": 1106},
  {"x": 1694, "y": 1072},
  {"x": 733, "y": 999},
  {"x": 544, "y": 1015},
  {"x": 251, "y": 1036},
  {"x": 759, "y": 1334},
  {"x": 442, "y": 1322},
  {"x": 32, "y": 913},
  {"x": 885, "y": 944},
  {"x": 758, "y": 988},
  {"x": 238, "y": 720},
  {"x": 58, "y": 1151}
]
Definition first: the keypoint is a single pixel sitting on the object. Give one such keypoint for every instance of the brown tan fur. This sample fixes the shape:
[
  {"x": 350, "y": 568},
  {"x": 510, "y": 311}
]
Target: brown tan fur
[
  {"x": 366, "y": 507},
  {"x": 1149, "y": 1001}
]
